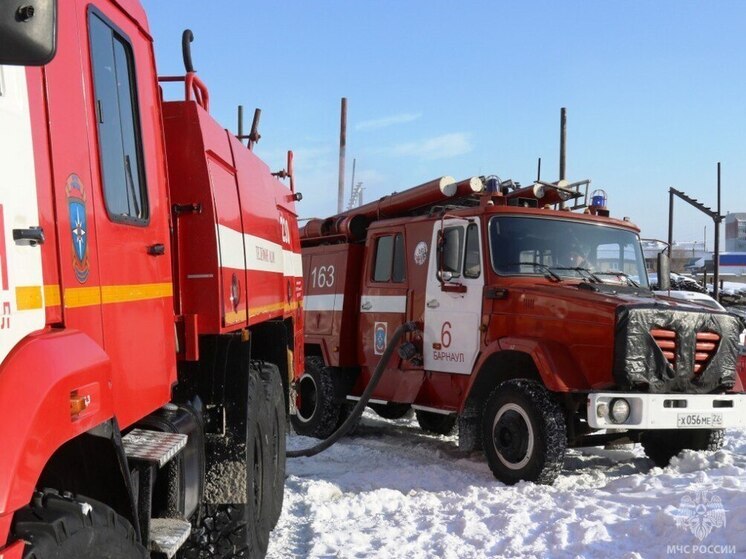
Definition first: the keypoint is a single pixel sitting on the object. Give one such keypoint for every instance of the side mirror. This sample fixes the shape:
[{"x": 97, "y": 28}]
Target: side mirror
[
  {"x": 664, "y": 272},
  {"x": 28, "y": 32}
]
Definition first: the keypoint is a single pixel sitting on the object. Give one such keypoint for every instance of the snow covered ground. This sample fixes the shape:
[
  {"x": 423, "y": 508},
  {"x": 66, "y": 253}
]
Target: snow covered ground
[{"x": 391, "y": 491}]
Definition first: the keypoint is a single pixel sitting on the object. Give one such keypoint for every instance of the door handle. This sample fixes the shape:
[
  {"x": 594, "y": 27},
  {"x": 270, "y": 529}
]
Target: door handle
[
  {"x": 31, "y": 236},
  {"x": 366, "y": 306},
  {"x": 433, "y": 304},
  {"x": 158, "y": 249}
]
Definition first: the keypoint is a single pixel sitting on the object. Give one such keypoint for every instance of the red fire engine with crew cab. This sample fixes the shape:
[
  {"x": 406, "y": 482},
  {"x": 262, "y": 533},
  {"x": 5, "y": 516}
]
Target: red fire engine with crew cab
[
  {"x": 151, "y": 294},
  {"x": 538, "y": 326}
]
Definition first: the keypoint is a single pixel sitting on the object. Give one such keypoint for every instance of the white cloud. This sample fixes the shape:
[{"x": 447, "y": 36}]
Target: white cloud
[
  {"x": 387, "y": 121},
  {"x": 438, "y": 147}
]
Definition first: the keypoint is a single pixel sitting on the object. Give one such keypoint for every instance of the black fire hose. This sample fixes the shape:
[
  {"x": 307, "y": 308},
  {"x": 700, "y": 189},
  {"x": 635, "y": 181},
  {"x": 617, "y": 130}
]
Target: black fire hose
[{"x": 357, "y": 411}]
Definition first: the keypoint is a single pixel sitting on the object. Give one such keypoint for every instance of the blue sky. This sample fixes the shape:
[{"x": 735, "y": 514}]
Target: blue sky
[{"x": 655, "y": 93}]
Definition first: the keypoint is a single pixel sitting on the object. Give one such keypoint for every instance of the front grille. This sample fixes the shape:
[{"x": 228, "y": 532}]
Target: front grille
[
  {"x": 706, "y": 346},
  {"x": 666, "y": 340},
  {"x": 707, "y": 343}
]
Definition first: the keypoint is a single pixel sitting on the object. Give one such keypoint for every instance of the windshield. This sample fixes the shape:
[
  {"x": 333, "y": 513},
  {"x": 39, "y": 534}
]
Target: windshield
[{"x": 568, "y": 249}]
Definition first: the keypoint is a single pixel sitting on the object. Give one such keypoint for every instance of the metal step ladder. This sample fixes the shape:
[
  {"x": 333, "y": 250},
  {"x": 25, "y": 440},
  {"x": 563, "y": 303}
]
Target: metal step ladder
[{"x": 148, "y": 451}]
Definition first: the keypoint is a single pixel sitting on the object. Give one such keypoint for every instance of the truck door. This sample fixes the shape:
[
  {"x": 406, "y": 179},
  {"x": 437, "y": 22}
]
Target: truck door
[
  {"x": 21, "y": 302},
  {"x": 453, "y": 301},
  {"x": 383, "y": 300},
  {"x": 131, "y": 212}
]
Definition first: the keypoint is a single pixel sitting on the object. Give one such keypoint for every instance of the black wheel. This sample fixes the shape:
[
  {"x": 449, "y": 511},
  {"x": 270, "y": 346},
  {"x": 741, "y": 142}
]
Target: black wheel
[
  {"x": 74, "y": 527},
  {"x": 663, "y": 444},
  {"x": 278, "y": 426},
  {"x": 523, "y": 433},
  {"x": 319, "y": 409},
  {"x": 437, "y": 423},
  {"x": 391, "y": 410},
  {"x": 235, "y": 520}
]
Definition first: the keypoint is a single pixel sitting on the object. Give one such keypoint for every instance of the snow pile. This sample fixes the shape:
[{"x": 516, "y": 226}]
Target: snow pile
[{"x": 393, "y": 491}]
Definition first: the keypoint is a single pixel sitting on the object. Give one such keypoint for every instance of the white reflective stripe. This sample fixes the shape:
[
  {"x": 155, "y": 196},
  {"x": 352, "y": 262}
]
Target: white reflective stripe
[
  {"x": 293, "y": 263},
  {"x": 383, "y": 303},
  {"x": 230, "y": 248},
  {"x": 260, "y": 254},
  {"x": 331, "y": 302},
  {"x": 19, "y": 207}
]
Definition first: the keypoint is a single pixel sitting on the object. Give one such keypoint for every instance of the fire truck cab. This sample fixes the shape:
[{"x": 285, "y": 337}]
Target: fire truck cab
[
  {"x": 150, "y": 294},
  {"x": 538, "y": 327}
]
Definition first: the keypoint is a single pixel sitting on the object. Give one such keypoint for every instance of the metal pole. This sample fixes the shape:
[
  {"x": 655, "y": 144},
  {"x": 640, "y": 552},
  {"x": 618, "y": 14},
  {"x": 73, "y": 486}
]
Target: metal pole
[
  {"x": 563, "y": 148},
  {"x": 538, "y": 171},
  {"x": 352, "y": 182},
  {"x": 342, "y": 148},
  {"x": 716, "y": 258},
  {"x": 670, "y": 221},
  {"x": 563, "y": 143},
  {"x": 240, "y": 123}
]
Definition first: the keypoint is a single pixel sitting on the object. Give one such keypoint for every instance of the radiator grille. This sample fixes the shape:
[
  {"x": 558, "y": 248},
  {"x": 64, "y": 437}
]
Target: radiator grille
[
  {"x": 707, "y": 343},
  {"x": 666, "y": 340}
]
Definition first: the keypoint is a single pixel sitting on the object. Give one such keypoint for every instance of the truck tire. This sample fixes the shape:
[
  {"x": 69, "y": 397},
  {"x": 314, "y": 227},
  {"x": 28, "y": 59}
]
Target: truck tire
[
  {"x": 391, "y": 410},
  {"x": 661, "y": 445},
  {"x": 278, "y": 426},
  {"x": 319, "y": 409},
  {"x": 74, "y": 527},
  {"x": 241, "y": 529},
  {"x": 437, "y": 423},
  {"x": 523, "y": 433}
]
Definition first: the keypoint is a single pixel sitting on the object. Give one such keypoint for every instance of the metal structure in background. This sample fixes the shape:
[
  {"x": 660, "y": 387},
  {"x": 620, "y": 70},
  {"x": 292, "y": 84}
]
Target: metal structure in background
[
  {"x": 716, "y": 217},
  {"x": 342, "y": 149},
  {"x": 356, "y": 190}
]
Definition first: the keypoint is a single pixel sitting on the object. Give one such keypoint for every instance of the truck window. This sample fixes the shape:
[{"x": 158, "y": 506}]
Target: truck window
[
  {"x": 117, "y": 116},
  {"x": 453, "y": 243},
  {"x": 472, "y": 258},
  {"x": 400, "y": 270},
  {"x": 389, "y": 262}
]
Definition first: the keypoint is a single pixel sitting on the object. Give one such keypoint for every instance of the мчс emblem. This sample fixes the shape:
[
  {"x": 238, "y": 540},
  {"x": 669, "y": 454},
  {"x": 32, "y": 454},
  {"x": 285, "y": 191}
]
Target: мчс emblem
[
  {"x": 420, "y": 253},
  {"x": 380, "y": 336},
  {"x": 76, "y": 204}
]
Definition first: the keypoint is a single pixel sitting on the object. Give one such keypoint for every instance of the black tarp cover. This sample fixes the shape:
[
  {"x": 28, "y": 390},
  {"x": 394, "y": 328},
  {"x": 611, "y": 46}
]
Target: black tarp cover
[{"x": 640, "y": 364}]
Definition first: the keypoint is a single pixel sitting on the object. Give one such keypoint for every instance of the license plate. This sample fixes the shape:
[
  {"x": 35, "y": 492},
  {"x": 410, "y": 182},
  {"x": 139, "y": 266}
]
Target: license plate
[{"x": 700, "y": 420}]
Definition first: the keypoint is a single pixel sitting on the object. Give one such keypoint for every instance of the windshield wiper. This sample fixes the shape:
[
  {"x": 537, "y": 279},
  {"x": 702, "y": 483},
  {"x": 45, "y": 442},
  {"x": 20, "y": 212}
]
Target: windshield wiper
[
  {"x": 620, "y": 274},
  {"x": 593, "y": 277},
  {"x": 548, "y": 271}
]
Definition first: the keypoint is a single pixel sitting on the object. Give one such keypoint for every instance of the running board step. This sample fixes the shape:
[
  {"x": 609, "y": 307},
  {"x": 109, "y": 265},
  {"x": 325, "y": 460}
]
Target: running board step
[
  {"x": 154, "y": 447},
  {"x": 167, "y": 535}
]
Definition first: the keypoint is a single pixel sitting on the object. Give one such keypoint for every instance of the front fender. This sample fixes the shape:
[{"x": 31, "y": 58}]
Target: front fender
[
  {"x": 557, "y": 368},
  {"x": 38, "y": 381}
]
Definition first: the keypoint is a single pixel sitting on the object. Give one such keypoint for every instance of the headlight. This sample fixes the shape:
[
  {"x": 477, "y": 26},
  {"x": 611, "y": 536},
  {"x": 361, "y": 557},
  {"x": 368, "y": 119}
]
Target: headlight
[{"x": 619, "y": 410}]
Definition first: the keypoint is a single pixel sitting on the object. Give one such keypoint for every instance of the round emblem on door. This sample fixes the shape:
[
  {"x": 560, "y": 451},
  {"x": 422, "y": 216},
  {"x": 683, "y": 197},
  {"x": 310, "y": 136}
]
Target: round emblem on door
[{"x": 420, "y": 253}]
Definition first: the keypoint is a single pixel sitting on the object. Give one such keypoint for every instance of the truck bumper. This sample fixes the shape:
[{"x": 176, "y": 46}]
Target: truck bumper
[{"x": 668, "y": 411}]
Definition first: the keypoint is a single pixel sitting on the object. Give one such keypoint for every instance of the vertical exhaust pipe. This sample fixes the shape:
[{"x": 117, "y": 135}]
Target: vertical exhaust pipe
[{"x": 342, "y": 149}]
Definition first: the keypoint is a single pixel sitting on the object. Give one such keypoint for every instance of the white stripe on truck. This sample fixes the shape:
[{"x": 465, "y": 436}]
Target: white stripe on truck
[{"x": 383, "y": 303}]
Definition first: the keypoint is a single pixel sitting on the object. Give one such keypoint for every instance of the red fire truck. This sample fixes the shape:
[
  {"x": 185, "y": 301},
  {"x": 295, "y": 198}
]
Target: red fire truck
[
  {"x": 150, "y": 295},
  {"x": 539, "y": 330}
]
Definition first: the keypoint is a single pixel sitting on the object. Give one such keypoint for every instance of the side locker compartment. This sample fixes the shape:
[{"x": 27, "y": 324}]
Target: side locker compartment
[
  {"x": 332, "y": 279},
  {"x": 233, "y": 294}
]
